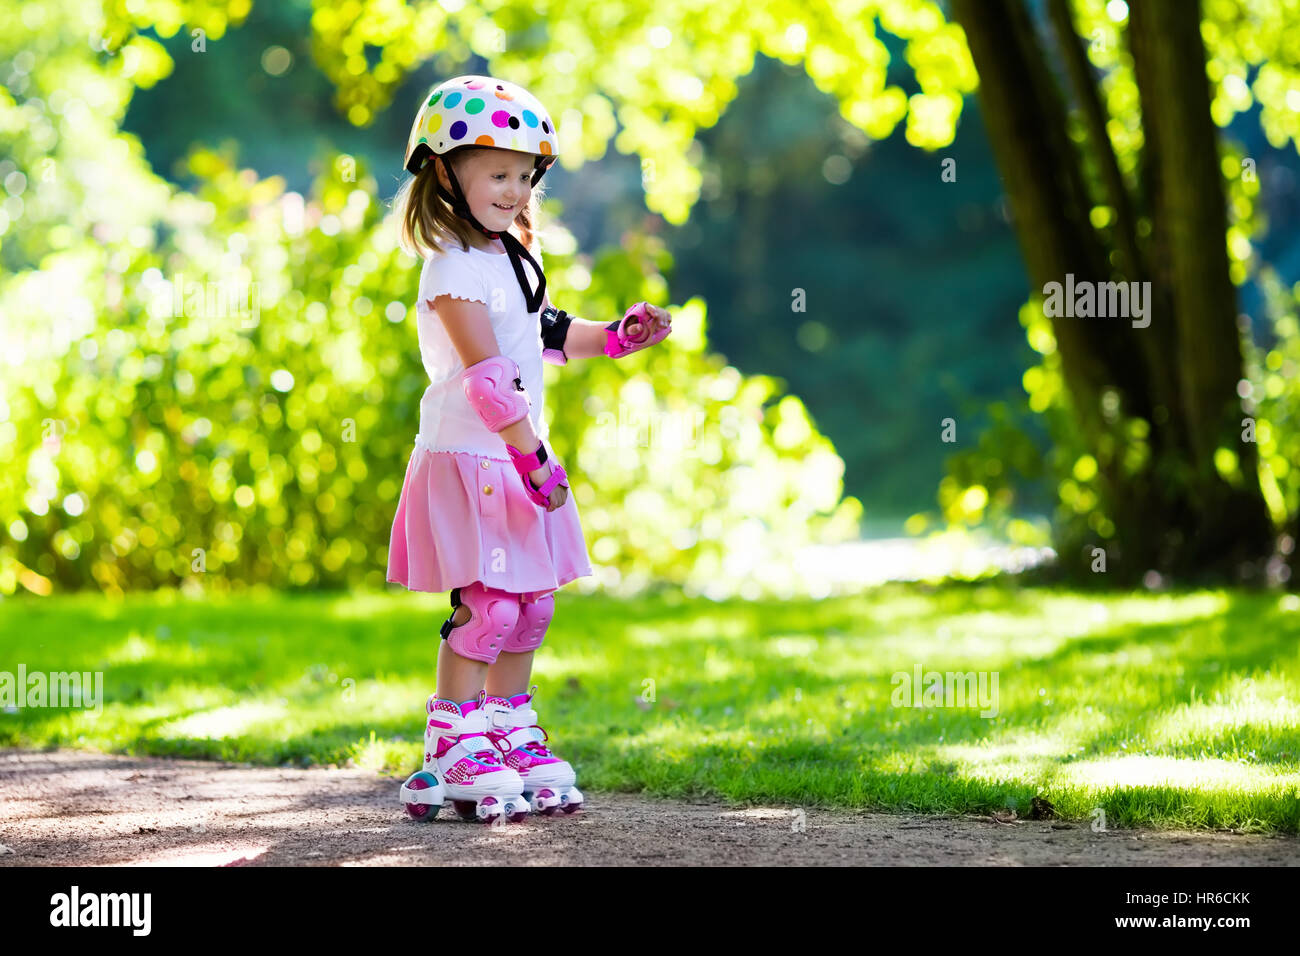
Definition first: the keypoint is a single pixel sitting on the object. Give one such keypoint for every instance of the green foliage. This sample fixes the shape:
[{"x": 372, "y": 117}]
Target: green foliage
[
  {"x": 679, "y": 454},
  {"x": 1273, "y": 377},
  {"x": 227, "y": 381},
  {"x": 590, "y": 62}
]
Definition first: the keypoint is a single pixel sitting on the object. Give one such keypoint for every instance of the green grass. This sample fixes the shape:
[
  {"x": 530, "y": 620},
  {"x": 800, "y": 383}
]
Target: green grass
[{"x": 1162, "y": 710}]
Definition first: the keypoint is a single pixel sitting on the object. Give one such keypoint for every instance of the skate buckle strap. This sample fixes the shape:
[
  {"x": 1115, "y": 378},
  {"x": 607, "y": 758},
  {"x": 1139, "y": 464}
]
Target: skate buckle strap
[
  {"x": 475, "y": 722},
  {"x": 504, "y": 719},
  {"x": 453, "y": 725}
]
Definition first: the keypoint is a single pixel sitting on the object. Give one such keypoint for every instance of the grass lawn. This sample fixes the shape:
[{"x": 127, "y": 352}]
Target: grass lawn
[{"x": 1164, "y": 710}]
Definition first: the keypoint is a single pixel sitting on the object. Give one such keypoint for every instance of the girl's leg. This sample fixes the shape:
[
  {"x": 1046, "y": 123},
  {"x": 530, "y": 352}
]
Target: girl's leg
[
  {"x": 509, "y": 675},
  {"x": 461, "y": 762},
  {"x": 459, "y": 678},
  {"x": 548, "y": 781}
]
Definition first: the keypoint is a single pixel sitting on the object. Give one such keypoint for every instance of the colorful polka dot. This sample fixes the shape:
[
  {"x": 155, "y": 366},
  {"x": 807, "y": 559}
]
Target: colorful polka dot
[
  {"x": 433, "y": 99},
  {"x": 458, "y": 129},
  {"x": 503, "y": 94},
  {"x": 475, "y": 84},
  {"x": 485, "y": 140},
  {"x": 544, "y": 148},
  {"x": 435, "y": 122},
  {"x": 501, "y": 118},
  {"x": 452, "y": 99},
  {"x": 546, "y": 128},
  {"x": 474, "y": 106},
  {"x": 530, "y": 118}
]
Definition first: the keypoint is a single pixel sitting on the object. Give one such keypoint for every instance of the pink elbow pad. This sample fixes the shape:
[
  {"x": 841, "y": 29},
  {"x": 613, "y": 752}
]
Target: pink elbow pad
[{"x": 495, "y": 392}]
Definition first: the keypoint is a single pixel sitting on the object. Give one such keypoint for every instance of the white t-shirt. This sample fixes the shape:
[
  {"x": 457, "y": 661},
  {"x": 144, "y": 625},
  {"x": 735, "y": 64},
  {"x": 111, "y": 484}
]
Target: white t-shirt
[{"x": 447, "y": 421}]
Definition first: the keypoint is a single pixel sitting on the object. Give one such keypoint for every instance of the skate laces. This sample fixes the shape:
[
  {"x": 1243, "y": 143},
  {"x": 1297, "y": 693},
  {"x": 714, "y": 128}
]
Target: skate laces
[
  {"x": 491, "y": 754},
  {"x": 538, "y": 747}
]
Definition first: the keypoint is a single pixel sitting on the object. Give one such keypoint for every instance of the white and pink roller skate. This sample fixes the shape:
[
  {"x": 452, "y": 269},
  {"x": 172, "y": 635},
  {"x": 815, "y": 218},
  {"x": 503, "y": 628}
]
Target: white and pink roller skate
[
  {"x": 548, "y": 781},
  {"x": 462, "y": 764}
]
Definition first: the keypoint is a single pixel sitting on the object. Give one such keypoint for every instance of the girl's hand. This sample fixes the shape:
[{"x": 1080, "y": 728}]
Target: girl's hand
[
  {"x": 559, "y": 494},
  {"x": 659, "y": 319}
]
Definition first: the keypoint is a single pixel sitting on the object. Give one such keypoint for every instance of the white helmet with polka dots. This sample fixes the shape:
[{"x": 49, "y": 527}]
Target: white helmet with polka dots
[{"x": 482, "y": 111}]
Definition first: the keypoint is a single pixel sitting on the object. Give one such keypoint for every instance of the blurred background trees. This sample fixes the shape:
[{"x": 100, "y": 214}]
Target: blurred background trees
[{"x": 147, "y": 436}]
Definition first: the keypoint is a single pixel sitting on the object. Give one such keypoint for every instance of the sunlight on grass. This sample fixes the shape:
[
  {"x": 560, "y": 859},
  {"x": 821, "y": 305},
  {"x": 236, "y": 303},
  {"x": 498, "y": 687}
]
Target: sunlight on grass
[
  {"x": 711, "y": 627},
  {"x": 793, "y": 646},
  {"x": 224, "y": 722},
  {"x": 133, "y": 650},
  {"x": 1223, "y": 776},
  {"x": 1240, "y": 707},
  {"x": 363, "y": 606},
  {"x": 646, "y": 636},
  {"x": 1006, "y": 755}
]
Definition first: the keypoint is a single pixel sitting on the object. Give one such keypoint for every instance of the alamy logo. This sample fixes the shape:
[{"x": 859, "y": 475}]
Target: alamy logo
[
  {"x": 55, "y": 689},
  {"x": 220, "y": 299},
  {"x": 102, "y": 909},
  {"x": 1086, "y": 300},
  {"x": 946, "y": 689}
]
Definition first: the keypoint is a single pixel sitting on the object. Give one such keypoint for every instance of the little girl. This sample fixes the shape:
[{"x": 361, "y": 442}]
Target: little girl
[{"x": 502, "y": 543}]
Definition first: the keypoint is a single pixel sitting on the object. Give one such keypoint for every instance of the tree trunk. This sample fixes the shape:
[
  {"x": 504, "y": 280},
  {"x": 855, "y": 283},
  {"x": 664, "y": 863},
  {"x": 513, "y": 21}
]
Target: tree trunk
[
  {"x": 1231, "y": 534},
  {"x": 1159, "y": 514}
]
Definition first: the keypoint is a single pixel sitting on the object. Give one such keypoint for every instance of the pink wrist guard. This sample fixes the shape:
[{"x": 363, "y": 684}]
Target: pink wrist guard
[
  {"x": 617, "y": 341},
  {"x": 526, "y": 463}
]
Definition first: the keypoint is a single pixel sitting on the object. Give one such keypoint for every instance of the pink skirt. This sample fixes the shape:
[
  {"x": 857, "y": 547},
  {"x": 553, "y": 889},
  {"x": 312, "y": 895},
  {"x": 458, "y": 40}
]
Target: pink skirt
[{"x": 464, "y": 518}]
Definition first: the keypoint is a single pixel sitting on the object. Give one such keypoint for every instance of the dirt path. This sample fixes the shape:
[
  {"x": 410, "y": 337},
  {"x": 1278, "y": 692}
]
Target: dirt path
[{"x": 84, "y": 808}]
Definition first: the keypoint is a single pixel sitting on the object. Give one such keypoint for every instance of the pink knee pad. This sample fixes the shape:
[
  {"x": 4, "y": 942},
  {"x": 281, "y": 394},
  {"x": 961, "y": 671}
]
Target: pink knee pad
[
  {"x": 493, "y": 615},
  {"x": 534, "y": 618}
]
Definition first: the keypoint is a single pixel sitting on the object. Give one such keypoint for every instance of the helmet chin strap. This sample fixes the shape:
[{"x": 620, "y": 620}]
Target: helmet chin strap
[{"x": 514, "y": 248}]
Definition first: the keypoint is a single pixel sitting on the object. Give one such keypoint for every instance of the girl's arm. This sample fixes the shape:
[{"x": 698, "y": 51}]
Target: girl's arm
[
  {"x": 469, "y": 327},
  {"x": 586, "y": 339}
]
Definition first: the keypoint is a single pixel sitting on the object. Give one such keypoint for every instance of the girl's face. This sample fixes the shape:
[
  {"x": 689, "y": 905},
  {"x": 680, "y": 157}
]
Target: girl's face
[{"x": 497, "y": 184}]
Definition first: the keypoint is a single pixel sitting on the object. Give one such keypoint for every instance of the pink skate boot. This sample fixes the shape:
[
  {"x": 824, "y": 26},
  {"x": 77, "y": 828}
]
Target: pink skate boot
[{"x": 548, "y": 780}]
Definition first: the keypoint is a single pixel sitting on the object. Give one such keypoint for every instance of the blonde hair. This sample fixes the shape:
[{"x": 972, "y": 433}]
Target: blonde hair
[{"x": 426, "y": 220}]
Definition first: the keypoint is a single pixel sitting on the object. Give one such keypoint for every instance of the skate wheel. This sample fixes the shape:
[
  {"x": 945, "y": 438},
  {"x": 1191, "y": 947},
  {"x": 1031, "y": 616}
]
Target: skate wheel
[
  {"x": 489, "y": 809},
  {"x": 516, "y": 809},
  {"x": 571, "y": 800},
  {"x": 466, "y": 809},
  {"x": 550, "y": 811},
  {"x": 422, "y": 780},
  {"x": 544, "y": 801}
]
